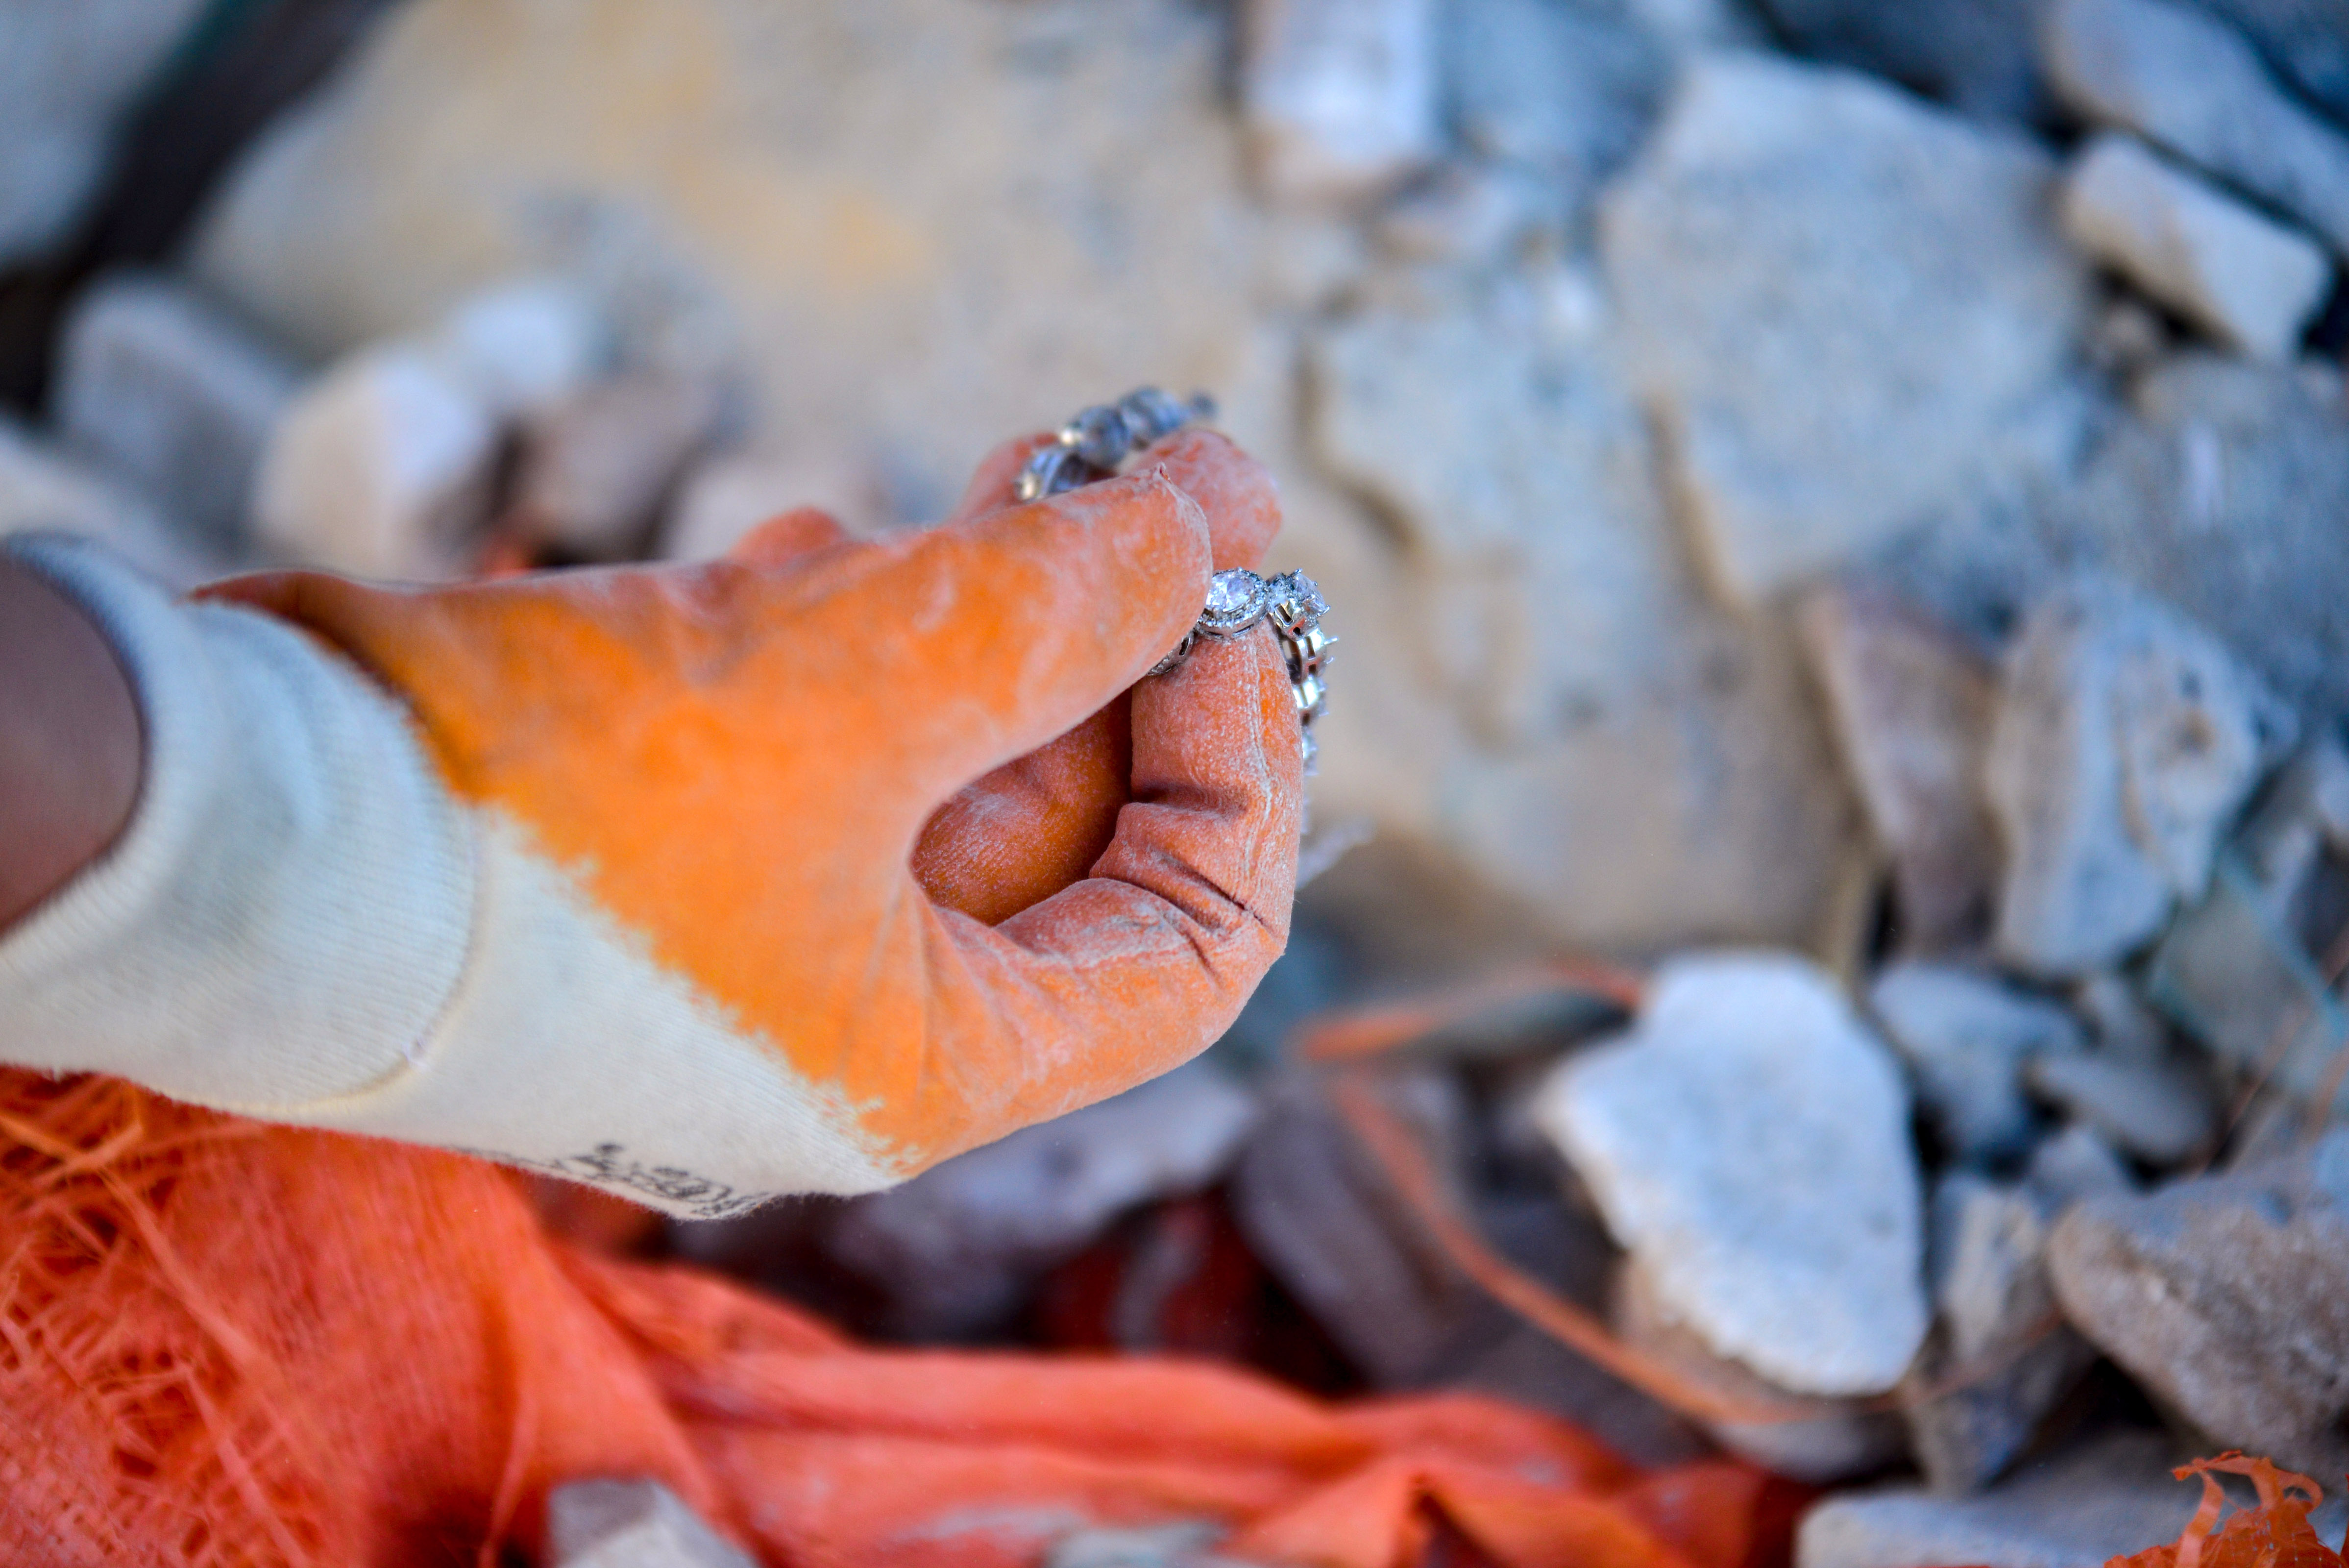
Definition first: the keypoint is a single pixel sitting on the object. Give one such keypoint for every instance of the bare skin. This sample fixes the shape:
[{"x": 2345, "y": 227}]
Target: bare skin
[{"x": 70, "y": 747}]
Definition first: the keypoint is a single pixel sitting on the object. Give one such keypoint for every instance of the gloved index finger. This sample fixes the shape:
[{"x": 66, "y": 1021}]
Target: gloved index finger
[{"x": 978, "y": 641}]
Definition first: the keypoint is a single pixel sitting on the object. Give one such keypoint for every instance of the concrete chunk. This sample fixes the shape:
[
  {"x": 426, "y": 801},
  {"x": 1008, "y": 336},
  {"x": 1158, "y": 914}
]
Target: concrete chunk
[{"x": 2248, "y": 280}]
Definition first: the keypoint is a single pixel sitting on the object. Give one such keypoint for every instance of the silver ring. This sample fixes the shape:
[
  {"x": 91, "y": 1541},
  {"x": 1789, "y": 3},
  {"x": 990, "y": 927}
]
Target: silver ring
[
  {"x": 1092, "y": 445},
  {"x": 1293, "y": 604}
]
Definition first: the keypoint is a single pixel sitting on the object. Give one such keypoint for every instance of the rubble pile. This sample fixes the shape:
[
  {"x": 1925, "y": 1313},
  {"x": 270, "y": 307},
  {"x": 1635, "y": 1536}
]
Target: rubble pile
[{"x": 1839, "y": 508}]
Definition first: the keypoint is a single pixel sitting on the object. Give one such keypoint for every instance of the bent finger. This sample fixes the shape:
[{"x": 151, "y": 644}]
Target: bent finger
[
  {"x": 1146, "y": 961},
  {"x": 1033, "y": 826}
]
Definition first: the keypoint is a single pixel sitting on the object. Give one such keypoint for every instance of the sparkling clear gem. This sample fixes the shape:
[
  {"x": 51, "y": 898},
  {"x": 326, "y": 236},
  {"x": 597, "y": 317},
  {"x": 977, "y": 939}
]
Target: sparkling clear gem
[{"x": 1232, "y": 593}]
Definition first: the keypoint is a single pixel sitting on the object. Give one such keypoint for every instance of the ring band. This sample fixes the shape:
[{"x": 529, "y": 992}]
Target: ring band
[
  {"x": 1092, "y": 445},
  {"x": 1293, "y": 605}
]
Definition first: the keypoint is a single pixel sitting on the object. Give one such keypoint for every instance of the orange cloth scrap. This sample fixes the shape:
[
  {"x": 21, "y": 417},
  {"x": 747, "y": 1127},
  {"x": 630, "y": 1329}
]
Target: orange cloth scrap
[
  {"x": 2274, "y": 1534},
  {"x": 224, "y": 1343}
]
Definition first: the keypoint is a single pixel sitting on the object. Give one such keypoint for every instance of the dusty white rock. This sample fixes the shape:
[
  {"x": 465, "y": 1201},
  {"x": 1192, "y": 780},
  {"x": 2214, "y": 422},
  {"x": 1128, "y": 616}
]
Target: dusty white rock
[
  {"x": 379, "y": 468},
  {"x": 630, "y": 1524},
  {"x": 43, "y": 488},
  {"x": 1568, "y": 89},
  {"x": 68, "y": 70},
  {"x": 163, "y": 388},
  {"x": 1622, "y": 759},
  {"x": 2192, "y": 84},
  {"x": 2080, "y": 1510},
  {"x": 1340, "y": 96},
  {"x": 2250, "y": 281},
  {"x": 2127, "y": 738},
  {"x": 724, "y": 497},
  {"x": 2160, "y": 1111},
  {"x": 1774, "y": 252},
  {"x": 2228, "y": 1298},
  {"x": 1995, "y": 1326},
  {"x": 1967, "y": 1038},
  {"x": 1845, "y": 1436},
  {"x": 958, "y": 1246},
  {"x": 1747, "y": 1141},
  {"x": 1910, "y": 704},
  {"x": 598, "y": 467},
  {"x": 524, "y": 346}
]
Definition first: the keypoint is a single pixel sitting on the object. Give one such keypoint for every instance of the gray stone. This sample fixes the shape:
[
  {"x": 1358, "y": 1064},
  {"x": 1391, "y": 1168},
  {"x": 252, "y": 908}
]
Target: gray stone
[
  {"x": 1844, "y": 303},
  {"x": 1996, "y": 1332},
  {"x": 1910, "y": 703},
  {"x": 2160, "y": 1112},
  {"x": 2248, "y": 280},
  {"x": 2075, "y": 1163},
  {"x": 1187, "y": 1543},
  {"x": 630, "y": 1524},
  {"x": 1967, "y": 1038},
  {"x": 2127, "y": 738},
  {"x": 1845, "y": 1437},
  {"x": 2177, "y": 78},
  {"x": 599, "y": 468},
  {"x": 2228, "y": 1298},
  {"x": 381, "y": 468},
  {"x": 1747, "y": 1141},
  {"x": 2306, "y": 42},
  {"x": 2079, "y": 1509},
  {"x": 2235, "y": 974},
  {"x": 1564, "y": 86},
  {"x": 1975, "y": 55},
  {"x": 1324, "y": 1217},
  {"x": 2238, "y": 971},
  {"x": 68, "y": 71},
  {"x": 165, "y": 389},
  {"x": 1617, "y": 756},
  {"x": 43, "y": 488},
  {"x": 957, "y": 1248},
  {"x": 1339, "y": 97},
  {"x": 2125, "y": 1028}
]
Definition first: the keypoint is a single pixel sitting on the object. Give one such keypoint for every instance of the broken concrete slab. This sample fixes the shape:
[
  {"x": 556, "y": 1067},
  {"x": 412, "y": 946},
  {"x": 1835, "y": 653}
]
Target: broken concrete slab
[
  {"x": 1747, "y": 1141},
  {"x": 1769, "y": 252},
  {"x": 2126, "y": 740},
  {"x": 2188, "y": 82},
  {"x": 2248, "y": 281}
]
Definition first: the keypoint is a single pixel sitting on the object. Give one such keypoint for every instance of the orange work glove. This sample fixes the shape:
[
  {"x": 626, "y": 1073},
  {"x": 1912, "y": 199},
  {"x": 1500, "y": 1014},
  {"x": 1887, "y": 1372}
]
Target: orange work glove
[{"x": 744, "y": 923}]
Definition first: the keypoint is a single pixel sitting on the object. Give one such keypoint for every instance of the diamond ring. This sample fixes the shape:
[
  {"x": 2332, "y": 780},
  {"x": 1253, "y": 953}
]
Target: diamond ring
[
  {"x": 1293, "y": 604},
  {"x": 1092, "y": 445}
]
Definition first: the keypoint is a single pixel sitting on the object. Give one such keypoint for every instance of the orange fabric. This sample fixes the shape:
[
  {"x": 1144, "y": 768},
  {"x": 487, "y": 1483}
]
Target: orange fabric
[
  {"x": 883, "y": 801},
  {"x": 2274, "y": 1534},
  {"x": 222, "y": 1343}
]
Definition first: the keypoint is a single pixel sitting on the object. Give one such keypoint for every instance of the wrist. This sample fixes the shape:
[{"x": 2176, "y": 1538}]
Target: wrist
[{"x": 71, "y": 751}]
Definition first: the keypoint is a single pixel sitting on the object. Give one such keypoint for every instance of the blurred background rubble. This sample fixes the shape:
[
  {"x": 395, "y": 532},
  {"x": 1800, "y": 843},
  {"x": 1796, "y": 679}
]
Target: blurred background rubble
[{"x": 1838, "y": 512}]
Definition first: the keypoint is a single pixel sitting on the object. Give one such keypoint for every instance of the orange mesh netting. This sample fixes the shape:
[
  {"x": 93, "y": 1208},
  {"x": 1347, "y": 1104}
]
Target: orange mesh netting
[
  {"x": 222, "y": 1343},
  {"x": 2275, "y": 1534}
]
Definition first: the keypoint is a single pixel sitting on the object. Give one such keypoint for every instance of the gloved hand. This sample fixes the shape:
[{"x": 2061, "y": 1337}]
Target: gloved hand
[{"x": 807, "y": 868}]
